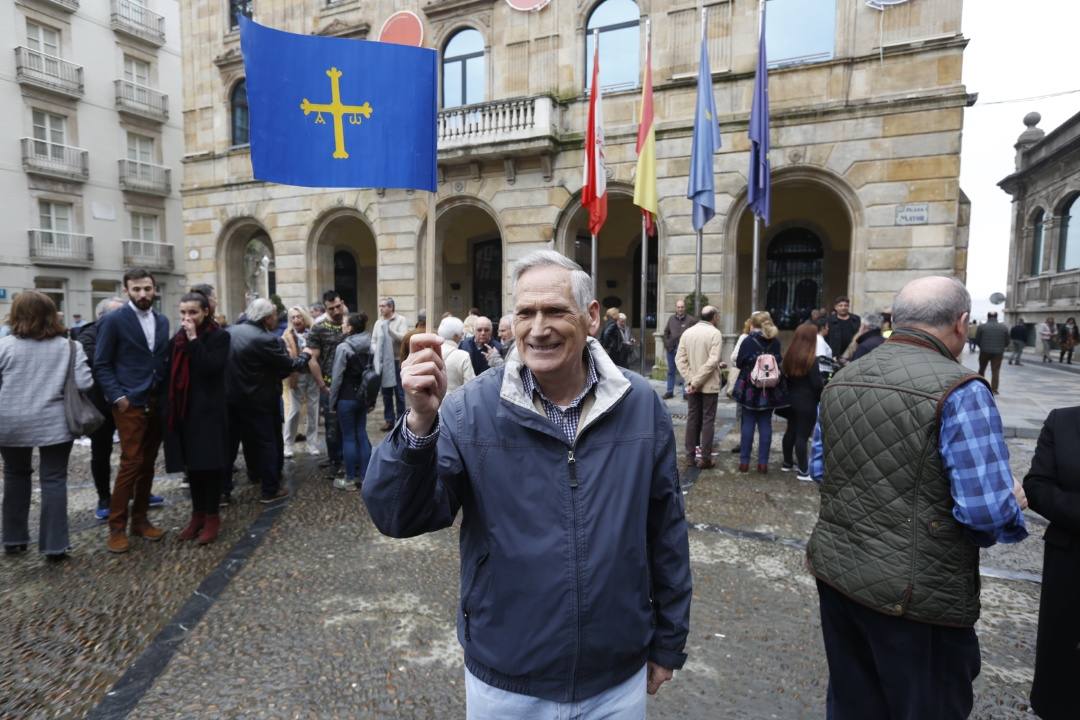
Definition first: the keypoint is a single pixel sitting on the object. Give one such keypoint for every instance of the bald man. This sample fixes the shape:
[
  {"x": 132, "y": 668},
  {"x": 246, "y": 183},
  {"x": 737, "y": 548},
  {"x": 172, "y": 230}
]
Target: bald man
[
  {"x": 914, "y": 475},
  {"x": 698, "y": 360}
]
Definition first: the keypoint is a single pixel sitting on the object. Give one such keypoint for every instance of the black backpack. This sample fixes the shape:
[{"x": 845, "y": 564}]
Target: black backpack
[{"x": 360, "y": 369}]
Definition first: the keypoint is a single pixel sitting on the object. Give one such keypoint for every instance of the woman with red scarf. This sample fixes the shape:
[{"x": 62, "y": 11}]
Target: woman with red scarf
[{"x": 196, "y": 418}]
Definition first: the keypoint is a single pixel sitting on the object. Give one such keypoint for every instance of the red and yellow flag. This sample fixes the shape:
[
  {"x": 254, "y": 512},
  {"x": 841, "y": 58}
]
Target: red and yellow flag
[{"x": 645, "y": 177}]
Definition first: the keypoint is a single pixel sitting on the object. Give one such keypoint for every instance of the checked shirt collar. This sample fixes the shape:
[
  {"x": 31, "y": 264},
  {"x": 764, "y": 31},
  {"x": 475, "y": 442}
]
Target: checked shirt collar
[{"x": 567, "y": 418}]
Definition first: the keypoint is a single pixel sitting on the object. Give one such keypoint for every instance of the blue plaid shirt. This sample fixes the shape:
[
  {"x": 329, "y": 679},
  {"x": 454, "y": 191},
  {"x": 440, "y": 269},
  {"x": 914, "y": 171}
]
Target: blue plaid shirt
[
  {"x": 977, "y": 462},
  {"x": 565, "y": 418}
]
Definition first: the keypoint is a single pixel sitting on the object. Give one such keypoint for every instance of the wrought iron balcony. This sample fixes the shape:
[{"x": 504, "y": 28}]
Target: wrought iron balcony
[
  {"x": 142, "y": 101},
  {"x": 138, "y": 22},
  {"x": 144, "y": 253},
  {"x": 48, "y": 72},
  {"x": 505, "y": 127},
  {"x": 66, "y": 249},
  {"x": 55, "y": 160},
  {"x": 145, "y": 177}
]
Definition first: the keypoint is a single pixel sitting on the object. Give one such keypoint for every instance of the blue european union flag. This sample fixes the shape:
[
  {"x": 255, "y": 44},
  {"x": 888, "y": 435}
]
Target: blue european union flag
[{"x": 336, "y": 112}]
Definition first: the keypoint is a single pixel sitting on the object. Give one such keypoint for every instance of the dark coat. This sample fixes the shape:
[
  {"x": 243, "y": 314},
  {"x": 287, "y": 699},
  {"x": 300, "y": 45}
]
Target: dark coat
[
  {"x": 1053, "y": 490},
  {"x": 257, "y": 364},
  {"x": 479, "y": 360},
  {"x": 124, "y": 365},
  {"x": 612, "y": 341},
  {"x": 867, "y": 342},
  {"x": 200, "y": 441},
  {"x": 88, "y": 339},
  {"x": 842, "y": 332},
  {"x": 745, "y": 393}
]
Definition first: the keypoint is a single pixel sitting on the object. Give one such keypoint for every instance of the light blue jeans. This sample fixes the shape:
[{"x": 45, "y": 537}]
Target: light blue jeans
[{"x": 625, "y": 701}]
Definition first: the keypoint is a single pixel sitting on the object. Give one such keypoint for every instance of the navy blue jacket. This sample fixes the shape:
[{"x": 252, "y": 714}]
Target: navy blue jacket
[
  {"x": 123, "y": 365},
  {"x": 575, "y": 565},
  {"x": 479, "y": 360}
]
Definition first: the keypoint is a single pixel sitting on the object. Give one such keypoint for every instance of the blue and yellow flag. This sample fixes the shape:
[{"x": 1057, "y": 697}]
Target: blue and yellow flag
[{"x": 336, "y": 112}]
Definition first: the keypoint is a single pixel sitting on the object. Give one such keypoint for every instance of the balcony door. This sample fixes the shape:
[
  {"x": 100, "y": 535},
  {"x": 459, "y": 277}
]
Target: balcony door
[
  {"x": 140, "y": 151},
  {"x": 137, "y": 72},
  {"x": 50, "y": 135},
  {"x": 54, "y": 219},
  {"x": 144, "y": 227},
  {"x": 46, "y": 41}
]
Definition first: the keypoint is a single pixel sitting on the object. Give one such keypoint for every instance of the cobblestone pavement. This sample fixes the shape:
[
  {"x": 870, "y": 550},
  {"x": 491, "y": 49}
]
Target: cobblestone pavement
[{"x": 328, "y": 619}]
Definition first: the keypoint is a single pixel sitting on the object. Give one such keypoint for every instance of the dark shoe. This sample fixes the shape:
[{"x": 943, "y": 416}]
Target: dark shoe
[
  {"x": 281, "y": 494},
  {"x": 762, "y": 468},
  {"x": 210, "y": 530},
  {"x": 118, "y": 542},
  {"x": 735, "y": 450},
  {"x": 15, "y": 549},
  {"x": 705, "y": 463},
  {"x": 147, "y": 532},
  {"x": 386, "y": 426},
  {"x": 300, "y": 437},
  {"x": 787, "y": 467},
  {"x": 326, "y": 464},
  {"x": 743, "y": 467},
  {"x": 191, "y": 532},
  {"x": 668, "y": 395},
  {"x": 226, "y": 500},
  {"x": 157, "y": 501},
  {"x": 56, "y": 557}
]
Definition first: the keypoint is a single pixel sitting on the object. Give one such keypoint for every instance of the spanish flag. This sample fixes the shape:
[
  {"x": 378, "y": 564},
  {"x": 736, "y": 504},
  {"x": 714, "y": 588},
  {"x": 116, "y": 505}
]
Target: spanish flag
[{"x": 645, "y": 178}]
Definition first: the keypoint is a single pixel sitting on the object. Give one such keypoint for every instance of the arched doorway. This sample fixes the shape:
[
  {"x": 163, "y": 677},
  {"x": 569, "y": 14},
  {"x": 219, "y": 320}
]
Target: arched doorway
[
  {"x": 618, "y": 277},
  {"x": 248, "y": 269},
  {"x": 469, "y": 261},
  {"x": 805, "y": 251},
  {"x": 345, "y": 259}
]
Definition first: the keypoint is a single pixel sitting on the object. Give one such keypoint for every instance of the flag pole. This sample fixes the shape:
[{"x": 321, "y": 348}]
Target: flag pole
[
  {"x": 644, "y": 235},
  {"x": 429, "y": 262},
  {"x": 700, "y": 232},
  {"x": 593, "y": 269},
  {"x": 756, "y": 264}
]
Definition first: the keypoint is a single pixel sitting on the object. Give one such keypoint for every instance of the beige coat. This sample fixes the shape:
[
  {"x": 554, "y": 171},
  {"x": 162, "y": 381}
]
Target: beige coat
[
  {"x": 698, "y": 357},
  {"x": 459, "y": 369}
]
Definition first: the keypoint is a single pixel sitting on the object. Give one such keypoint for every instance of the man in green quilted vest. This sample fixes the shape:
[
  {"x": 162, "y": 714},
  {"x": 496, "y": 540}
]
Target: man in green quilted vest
[{"x": 914, "y": 477}]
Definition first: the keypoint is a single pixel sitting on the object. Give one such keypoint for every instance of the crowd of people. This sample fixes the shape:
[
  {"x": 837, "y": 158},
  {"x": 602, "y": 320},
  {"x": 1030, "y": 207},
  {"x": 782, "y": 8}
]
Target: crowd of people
[{"x": 590, "y": 541}]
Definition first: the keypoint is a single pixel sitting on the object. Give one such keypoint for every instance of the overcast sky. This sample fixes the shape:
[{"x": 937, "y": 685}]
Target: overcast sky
[{"x": 1017, "y": 49}]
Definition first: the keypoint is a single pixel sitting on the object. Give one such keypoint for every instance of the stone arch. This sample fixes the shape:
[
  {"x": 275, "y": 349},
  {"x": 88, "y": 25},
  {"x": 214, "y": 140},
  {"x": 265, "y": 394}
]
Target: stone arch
[
  {"x": 793, "y": 186},
  {"x": 343, "y": 229},
  {"x": 470, "y": 252},
  {"x": 235, "y": 285}
]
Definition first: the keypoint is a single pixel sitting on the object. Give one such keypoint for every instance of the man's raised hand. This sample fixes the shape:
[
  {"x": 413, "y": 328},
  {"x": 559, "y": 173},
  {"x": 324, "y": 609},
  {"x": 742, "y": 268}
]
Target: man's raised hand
[{"x": 423, "y": 378}]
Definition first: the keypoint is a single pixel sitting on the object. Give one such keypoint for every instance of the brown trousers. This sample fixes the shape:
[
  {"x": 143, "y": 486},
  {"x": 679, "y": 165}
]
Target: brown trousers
[
  {"x": 700, "y": 423},
  {"x": 140, "y": 438},
  {"x": 995, "y": 368}
]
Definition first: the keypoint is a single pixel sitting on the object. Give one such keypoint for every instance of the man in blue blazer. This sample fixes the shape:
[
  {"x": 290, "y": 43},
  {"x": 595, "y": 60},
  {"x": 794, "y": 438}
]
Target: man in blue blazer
[{"x": 130, "y": 366}]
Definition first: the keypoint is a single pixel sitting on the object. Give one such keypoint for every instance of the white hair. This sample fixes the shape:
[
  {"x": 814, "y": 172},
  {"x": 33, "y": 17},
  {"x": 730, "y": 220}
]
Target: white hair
[
  {"x": 451, "y": 328},
  {"x": 103, "y": 308},
  {"x": 917, "y": 305},
  {"x": 872, "y": 320},
  {"x": 508, "y": 319},
  {"x": 260, "y": 309},
  {"x": 580, "y": 283}
]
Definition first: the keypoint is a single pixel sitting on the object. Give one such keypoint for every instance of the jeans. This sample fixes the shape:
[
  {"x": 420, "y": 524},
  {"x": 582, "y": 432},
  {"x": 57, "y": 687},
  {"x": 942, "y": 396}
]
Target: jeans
[
  {"x": 305, "y": 392},
  {"x": 392, "y": 395},
  {"x": 260, "y": 432},
  {"x": 882, "y": 666},
  {"x": 799, "y": 430},
  {"x": 352, "y": 414},
  {"x": 140, "y": 438},
  {"x": 101, "y": 447},
  {"x": 333, "y": 430},
  {"x": 762, "y": 421},
  {"x": 625, "y": 701},
  {"x": 1017, "y": 351},
  {"x": 53, "y": 523},
  {"x": 673, "y": 375}
]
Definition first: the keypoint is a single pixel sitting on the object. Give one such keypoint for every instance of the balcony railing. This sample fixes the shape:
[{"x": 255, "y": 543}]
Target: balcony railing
[
  {"x": 144, "y": 253},
  {"x": 139, "y": 22},
  {"x": 48, "y": 72},
  {"x": 55, "y": 160},
  {"x": 140, "y": 100},
  {"x": 500, "y": 121},
  {"x": 145, "y": 177},
  {"x": 52, "y": 247}
]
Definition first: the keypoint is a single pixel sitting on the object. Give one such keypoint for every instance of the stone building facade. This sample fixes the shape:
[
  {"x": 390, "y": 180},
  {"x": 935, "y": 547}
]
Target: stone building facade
[
  {"x": 90, "y": 161},
  {"x": 867, "y": 113},
  {"x": 1044, "y": 250}
]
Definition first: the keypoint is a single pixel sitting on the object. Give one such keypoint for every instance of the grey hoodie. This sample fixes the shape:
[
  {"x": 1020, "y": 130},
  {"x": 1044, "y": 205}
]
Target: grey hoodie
[{"x": 359, "y": 343}]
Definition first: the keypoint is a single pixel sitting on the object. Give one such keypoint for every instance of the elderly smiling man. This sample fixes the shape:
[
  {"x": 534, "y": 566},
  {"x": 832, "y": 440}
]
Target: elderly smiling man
[{"x": 575, "y": 570}]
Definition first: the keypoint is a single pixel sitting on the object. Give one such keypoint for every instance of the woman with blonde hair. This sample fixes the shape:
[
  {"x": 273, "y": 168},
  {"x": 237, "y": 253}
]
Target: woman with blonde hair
[
  {"x": 34, "y": 365},
  {"x": 301, "y": 386},
  {"x": 758, "y": 399}
]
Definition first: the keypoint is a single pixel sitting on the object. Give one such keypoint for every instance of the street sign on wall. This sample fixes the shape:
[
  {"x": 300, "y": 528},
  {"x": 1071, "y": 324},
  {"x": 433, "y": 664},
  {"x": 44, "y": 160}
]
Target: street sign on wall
[{"x": 913, "y": 214}]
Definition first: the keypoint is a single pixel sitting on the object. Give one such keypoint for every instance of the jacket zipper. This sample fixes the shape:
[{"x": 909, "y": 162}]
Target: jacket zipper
[
  {"x": 472, "y": 588},
  {"x": 571, "y": 462}
]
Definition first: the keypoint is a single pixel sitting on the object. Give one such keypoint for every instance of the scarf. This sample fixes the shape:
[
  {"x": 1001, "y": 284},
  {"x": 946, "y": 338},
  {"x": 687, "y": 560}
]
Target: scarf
[{"x": 180, "y": 372}]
